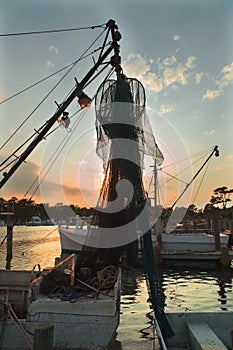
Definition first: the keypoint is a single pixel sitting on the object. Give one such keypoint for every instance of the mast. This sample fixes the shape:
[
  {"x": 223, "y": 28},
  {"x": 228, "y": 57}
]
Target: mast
[
  {"x": 214, "y": 152},
  {"x": 78, "y": 91},
  {"x": 155, "y": 183}
]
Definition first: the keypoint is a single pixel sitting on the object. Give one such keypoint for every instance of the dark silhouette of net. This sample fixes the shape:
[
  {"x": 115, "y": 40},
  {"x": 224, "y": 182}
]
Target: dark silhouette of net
[{"x": 124, "y": 135}]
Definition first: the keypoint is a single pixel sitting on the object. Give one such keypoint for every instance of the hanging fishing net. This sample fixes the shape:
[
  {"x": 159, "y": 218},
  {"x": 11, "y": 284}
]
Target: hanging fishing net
[{"x": 124, "y": 136}]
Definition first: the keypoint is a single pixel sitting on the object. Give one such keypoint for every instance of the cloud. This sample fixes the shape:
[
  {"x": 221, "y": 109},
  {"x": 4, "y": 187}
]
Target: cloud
[
  {"x": 27, "y": 174},
  {"x": 210, "y": 132},
  {"x": 225, "y": 78},
  {"x": 169, "y": 61},
  {"x": 53, "y": 49},
  {"x": 164, "y": 109},
  {"x": 198, "y": 77},
  {"x": 50, "y": 64},
  {"x": 211, "y": 94},
  {"x": 190, "y": 62},
  {"x": 176, "y": 37},
  {"x": 169, "y": 72}
]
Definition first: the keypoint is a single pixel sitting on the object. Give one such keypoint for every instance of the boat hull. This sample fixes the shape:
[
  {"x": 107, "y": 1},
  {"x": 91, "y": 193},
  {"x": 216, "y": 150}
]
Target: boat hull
[
  {"x": 72, "y": 240},
  {"x": 89, "y": 323},
  {"x": 220, "y": 323},
  {"x": 190, "y": 242}
]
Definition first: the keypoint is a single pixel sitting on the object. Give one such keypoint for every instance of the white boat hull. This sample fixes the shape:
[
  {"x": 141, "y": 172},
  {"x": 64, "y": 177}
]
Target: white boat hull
[
  {"x": 189, "y": 242},
  {"x": 89, "y": 323},
  {"x": 193, "y": 329},
  {"x": 72, "y": 240}
]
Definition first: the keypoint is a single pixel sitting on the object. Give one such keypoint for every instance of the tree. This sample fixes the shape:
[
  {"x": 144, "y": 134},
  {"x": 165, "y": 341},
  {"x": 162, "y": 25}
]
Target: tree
[{"x": 221, "y": 195}]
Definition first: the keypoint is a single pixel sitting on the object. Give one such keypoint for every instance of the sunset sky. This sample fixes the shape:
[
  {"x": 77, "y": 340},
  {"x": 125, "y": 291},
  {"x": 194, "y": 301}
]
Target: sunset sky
[{"x": 181, "y": 50}]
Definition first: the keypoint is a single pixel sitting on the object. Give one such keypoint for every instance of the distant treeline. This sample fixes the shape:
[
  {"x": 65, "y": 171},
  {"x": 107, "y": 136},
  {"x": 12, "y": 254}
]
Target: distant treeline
[{"x": 24, "y": 209}]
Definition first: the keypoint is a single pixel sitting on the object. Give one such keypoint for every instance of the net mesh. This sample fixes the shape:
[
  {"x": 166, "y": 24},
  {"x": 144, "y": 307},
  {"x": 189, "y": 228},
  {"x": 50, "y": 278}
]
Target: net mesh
[{"x": 124, "y": 136}]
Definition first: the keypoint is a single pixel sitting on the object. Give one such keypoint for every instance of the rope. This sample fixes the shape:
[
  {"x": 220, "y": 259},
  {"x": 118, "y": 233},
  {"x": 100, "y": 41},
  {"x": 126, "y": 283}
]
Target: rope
[
  {"x": 61, "y": 146},
  {"x": 49, "y": 76},
  {"x": 107, "y": 277},
  {"x": 55, "y": 156},
  {"x": 28, "y": 117},
  {"x": 202, "y": 179},
  {"x": 19, "y": 326},
  {"x": 51, "y": 31}
]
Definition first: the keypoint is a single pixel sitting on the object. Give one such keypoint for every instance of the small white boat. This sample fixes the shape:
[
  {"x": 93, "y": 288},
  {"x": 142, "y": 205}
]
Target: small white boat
[
  {"x": 198, "y": 330},
  {"x": 73, "y": 238},
  {"x": 88, "y": 322},
  {"x": 35, "y": 221},
  {"x": 199, "y": 242}
]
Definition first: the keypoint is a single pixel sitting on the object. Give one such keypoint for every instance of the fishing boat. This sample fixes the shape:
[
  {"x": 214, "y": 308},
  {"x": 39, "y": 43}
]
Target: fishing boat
[
  {"x": 81, "y": 315},
  {"x": 193, "y": 242},
  {"x": 89, "y": 321},
  {"x": 73, "y": 238},
  {"x": 81, "y": 301}
]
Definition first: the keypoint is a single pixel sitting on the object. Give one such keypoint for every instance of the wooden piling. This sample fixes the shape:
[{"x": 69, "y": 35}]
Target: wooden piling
[
  {"x": 9, "y": 246},
  {"x": 216, "y": 231},
  {"x": 232, "y": 339},
  {"x": 158, "y": 255},
  {"x": 9, "y": 238},
  {"x": 225, "y": 258},
  {"x": 43, "y": 338}
]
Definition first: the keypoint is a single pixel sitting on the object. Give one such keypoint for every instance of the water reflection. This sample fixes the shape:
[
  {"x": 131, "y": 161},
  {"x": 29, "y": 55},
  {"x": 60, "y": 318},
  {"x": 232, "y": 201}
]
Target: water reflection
[
  {"x": 198, "y": 290},
  {"x": 31, "y": 245},
  {"x": 195, "y": 288},
  {"x": 136, "y": 325}
]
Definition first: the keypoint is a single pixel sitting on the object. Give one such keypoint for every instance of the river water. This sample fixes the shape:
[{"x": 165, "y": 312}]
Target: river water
[{"x": 185, "y": 288}]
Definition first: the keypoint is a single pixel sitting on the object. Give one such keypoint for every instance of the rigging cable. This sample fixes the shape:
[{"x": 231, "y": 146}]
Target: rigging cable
[
  {"x": 25, "y": 142},
  {"x": 52, "y": 31},
  {"x": 202, "y": 179},
  {"x": 61, "y": 146},
  {"x": 207, "y": 150},
  {"x": 55, "y": 155},
  {"x": 17, "y": 129},
  {"x": 175, "y": 176},
  {"x": 51, "y": 75}
]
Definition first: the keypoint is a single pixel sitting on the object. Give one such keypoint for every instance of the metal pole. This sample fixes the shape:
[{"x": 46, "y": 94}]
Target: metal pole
[
  {"x": 155, "y": 184},
  {"x": 216, "y": 152},
  {"x": 61, "y": 108}
]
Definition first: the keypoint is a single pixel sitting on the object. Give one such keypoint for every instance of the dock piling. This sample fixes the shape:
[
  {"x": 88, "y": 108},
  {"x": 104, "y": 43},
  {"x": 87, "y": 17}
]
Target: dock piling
[{"x": 43, "y": 338}]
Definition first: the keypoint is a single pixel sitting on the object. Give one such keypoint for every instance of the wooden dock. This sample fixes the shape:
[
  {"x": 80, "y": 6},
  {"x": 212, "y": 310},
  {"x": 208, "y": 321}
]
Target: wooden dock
[{"x": 223, "y": 256}]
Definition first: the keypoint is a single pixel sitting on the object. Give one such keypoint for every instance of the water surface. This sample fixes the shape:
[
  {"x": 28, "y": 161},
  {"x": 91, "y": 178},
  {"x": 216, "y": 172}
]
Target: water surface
[{"x": 195, "y": 288}]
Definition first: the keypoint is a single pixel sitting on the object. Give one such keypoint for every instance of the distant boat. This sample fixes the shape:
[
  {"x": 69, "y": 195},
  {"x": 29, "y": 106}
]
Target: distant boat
[
  {"x": 73, "y": 238},
  {"x": 200, "y": 242},
  {"x": 35, "y": 221}
]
